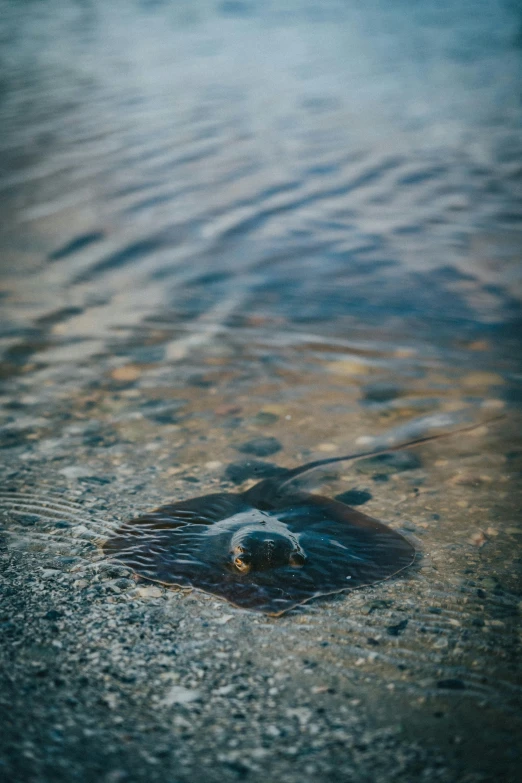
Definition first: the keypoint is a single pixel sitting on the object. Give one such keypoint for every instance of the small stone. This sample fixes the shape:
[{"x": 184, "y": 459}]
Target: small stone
[
  {"x": 238, "y": 472},
  {"x": 180, "y": 695},
  {"x": 260, "y": 447},
  {"x": 224, "y": 690},
  {"x": 303, "y": 714},
  {"x": 354, "y": 497},
  {"x": 110, "y": 699},
  {"x": 149, "y": 592},
  {"x": 224, "y": 619},
  {"x": 265, "y": 418},
  {"x": 50, "y": 573},
  {"x": 479, "y": 345},
  {"x": 272, "y": 731},
  {"x": 380, "y": 392},
  {"x": 480, "y": 379},
  {"x": 381, "y": 603},
  {"x": 227, "y": 410},
  {"x": 259, "y": 753},
  {"x": 452, "y": 684},
  {"x": 465, "y": 480},
  {"x": 28, "y": 520},
  {"x": 396, "y": 630},
  {"x": 493, "y": 404},
  {"x": 478, "y": 539},
  {"x": 124, "y": 584},
  {"x": 127, "y": 373},
  {"x": 348, "y": 367},
  {"x": 114, "y": 571},
  {"x": 75, "y": 471},
  {"x": 364, "y": 440},
  {"x": 213, "y": 464},
  {"x": 53, "y": 614},
  {"x": 174, "y": 470},
  {"x": 327, "y": 447}
]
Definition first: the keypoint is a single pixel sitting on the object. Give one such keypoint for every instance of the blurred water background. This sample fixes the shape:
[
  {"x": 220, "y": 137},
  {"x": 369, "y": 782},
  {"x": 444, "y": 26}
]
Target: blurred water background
[{"x": 221, "y": 221}]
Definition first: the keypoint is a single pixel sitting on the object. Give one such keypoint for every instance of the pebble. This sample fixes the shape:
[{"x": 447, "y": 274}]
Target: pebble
[
  {"x": 327, "y": 447},
  {"x": 465, "y": 480},
  {"x": 364, "y": 440},
  {"x": 238, "y": 472},
  {"x": 479, "y": 345},
  {"x": 28, "y": 519},
  {"x": 180, "y": 695},
  {"x": 493, "y": 404},
  {"x": 381, "y": 392},
  {"x": 451, "y": 684},
  {"x": 227, "y": 410},
  {"x": 149, "y": 592},
  {"x": 354, "y": 497},
  {"x": 129, "y": 372},
  {"x": 303, "y": 714},
  {"x": 478, "y": 539},
  {"x": 175, "y": 469},
  {"x": 474, "y": 379},
  {"x": 396, "y": 630},
  {"x": 347, "y": 367},
  {"x": 75, "y": 471},
  {"x": 265, "y": 418},
  {"x": 260, "y": 447},
  {"x": 224, "y": 690},
  {"x": 224, "y": 619}
]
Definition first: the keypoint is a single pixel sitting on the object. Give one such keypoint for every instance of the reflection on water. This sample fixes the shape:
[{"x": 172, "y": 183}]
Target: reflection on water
[{"x": 223, "y": 221}]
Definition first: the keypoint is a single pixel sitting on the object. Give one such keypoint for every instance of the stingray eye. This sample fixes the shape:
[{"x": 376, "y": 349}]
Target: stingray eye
[
  {"x": 238, "y": 550},
  {"x": 241, "y": 565},
  {"x": 297, "y": 560}
]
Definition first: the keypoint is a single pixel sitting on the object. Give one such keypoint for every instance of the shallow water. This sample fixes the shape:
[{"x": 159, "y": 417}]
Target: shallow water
[{"x": 240, "y": 220}]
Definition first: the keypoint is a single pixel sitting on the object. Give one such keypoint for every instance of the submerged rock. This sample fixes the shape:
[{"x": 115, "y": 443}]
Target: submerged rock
[
  {"x": 237, "y": 472},
  {"x": 354, "y": 497},
  {"x": 260, "y": 447}
]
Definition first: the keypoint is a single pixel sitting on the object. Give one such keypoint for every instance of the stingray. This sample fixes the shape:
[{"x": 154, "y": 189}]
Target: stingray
[{"x": 267, "y": 549}]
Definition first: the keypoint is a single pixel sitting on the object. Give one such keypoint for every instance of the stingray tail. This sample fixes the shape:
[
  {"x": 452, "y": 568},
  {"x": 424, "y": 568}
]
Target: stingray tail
[{"x": 301, "y": 469}]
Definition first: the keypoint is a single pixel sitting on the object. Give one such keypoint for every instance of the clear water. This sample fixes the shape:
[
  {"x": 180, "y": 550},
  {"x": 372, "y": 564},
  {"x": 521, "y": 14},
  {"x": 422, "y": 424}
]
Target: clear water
[{"x": 293, "y": 219}]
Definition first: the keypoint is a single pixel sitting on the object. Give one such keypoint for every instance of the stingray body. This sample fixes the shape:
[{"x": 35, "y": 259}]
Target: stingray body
[
  {"x": 270, "y": 548},
  {"x": 267, "y": 549}
]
